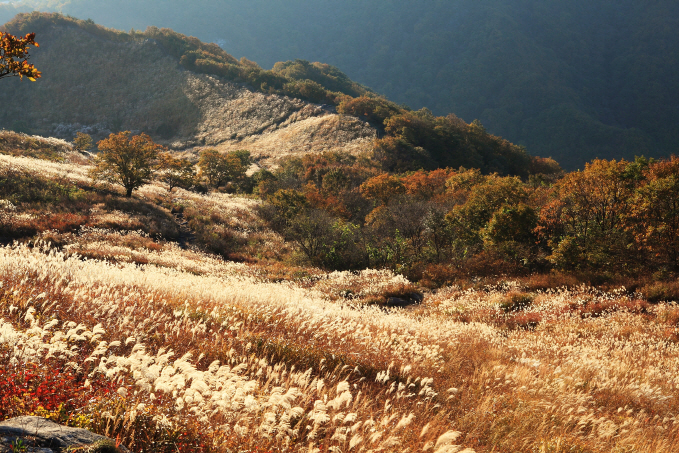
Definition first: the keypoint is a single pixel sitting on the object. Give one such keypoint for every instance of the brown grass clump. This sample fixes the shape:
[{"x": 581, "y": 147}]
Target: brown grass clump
[
  {"x": 397, "y": 295},
  {"x": 597, "y": 308},
  {"x": 545, "y": 281},
  {"x": 516, "y": 301},
  {"x": 439, "y": 275}
]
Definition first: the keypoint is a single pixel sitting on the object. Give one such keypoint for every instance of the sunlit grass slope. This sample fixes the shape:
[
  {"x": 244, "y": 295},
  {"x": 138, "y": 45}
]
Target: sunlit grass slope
[{"x": 121, "y": 330}]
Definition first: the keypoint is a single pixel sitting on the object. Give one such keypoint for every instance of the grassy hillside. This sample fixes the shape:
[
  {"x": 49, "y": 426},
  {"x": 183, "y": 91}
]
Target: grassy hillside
[
  {"x": 181, "y": 91},
  {"x": 570, "y": 80},
  {"x": 190, "y": 95},
  {"x": 110, "y": 321}
]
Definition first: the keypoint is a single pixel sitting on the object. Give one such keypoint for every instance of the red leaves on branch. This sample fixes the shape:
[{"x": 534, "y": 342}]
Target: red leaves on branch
[{"x": 14, "y": 56}]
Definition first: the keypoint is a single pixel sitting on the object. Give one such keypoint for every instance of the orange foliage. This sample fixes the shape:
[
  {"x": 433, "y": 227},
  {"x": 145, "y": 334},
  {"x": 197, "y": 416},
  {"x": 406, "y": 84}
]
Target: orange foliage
[
  {"x": 319, "y": 200},
  {"x": 382, "y": 188},
  {"x": 14, "y": 56},
  {"x": 427, "y": 184}
]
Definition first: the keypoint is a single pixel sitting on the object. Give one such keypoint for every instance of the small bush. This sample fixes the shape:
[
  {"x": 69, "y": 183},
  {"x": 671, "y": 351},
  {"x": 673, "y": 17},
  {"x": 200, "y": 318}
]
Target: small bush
[
  {"x": 516, "y": 301},
  {"x": 598, "y": 308},
  {"x": 398, "y": 295},
  {"x": 542, "y": 282},
  {"x": 525, "y": 321},
  {"x": 490, "y": 263},
  {"x": 670, "y": 316},
  {"x": 25, "y": 388},
  {"x": 661, "y": 291},
  {"x": 439, "y": 275}
]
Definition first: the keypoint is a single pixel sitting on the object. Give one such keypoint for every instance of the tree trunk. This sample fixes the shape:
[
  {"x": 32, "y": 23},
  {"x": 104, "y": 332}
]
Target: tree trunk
[{"x": 128, "y": 194}]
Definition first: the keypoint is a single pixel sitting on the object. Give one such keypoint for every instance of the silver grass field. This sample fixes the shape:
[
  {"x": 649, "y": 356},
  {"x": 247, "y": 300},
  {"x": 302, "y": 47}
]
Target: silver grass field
[{"x": 188, "y": 339}]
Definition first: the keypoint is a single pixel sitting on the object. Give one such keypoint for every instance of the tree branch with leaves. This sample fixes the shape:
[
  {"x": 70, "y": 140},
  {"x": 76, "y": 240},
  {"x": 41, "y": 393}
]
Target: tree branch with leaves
[
  {"x": 14, "y": 56},
  {"x": 175, "y": 172}
]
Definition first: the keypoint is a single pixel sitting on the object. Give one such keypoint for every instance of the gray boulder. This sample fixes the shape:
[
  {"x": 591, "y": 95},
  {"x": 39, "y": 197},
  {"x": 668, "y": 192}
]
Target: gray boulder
[{"x": 39, "y": 435}]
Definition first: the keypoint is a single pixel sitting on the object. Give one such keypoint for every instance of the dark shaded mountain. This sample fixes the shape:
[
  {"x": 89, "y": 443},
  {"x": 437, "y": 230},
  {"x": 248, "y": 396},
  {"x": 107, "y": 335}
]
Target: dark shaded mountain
[{"x": 574, "y": 80}]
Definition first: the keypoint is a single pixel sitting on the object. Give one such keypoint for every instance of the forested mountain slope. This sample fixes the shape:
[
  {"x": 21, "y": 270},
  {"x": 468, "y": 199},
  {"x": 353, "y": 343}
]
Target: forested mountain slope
[
  {"x": 574, "y": 80},
  {"x": 101, "y": 81},
  {"x": 192, "y": 95}
]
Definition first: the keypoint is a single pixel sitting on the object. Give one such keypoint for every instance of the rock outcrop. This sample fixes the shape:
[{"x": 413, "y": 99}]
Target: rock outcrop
[{"x": 38, "y": 435}]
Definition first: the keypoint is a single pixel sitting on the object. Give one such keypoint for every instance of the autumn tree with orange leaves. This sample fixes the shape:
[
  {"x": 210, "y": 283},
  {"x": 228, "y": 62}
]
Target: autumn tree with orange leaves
[
  {"x": 585, "y": 222},
  {"x": 382, "y": 188},
  {"x": 129, "y": 162},
  {"x": 654, "y": 216},
  {"x": 14, "y": 56}
]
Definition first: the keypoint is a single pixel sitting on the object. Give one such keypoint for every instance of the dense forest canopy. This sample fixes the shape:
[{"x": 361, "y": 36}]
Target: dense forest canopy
[{"x": 572, "y": 80}]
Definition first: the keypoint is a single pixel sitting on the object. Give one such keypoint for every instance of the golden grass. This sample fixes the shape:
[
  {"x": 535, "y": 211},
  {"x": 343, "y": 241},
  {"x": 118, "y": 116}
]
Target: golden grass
[
  {"x": 208, "y": 354},
  {"x": 282, "y": 366}
]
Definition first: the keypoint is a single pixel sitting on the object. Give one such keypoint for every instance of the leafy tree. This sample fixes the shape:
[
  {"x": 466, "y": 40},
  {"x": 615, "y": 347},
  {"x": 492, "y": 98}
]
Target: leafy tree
[
  {"x": 82, "y": 142},
  {"x": 211, "y": 167},
  {"x": 460, "y": 184},
  {"x": 243, "y": 156},
  {"x": 347, "y": 249},
  {"x": 438, "y": 232},
  {"x": 382, "y": 188},
  {"x": 328, "y": 76},
  {"x": 584, "y": 223},
  {"x": 127, "y": 161},
  {"x": 312, "y": 230},
  {"x": 512, "y": 224},
  {"x": 175, "y": 172},
  {"x": 309, "y": 90},
  {"x": 545, "y": 167},
  {"x": 398, "y": 155},
  {"x": 427, "y": 184},
  {"x": 374, "y": 110},
  {"x": 322, "y": 199},
  {"x": 335, "y": 181},
  {"x": 655, "y": 212},
  {"x": 511, "y": 233},
  {"x": 219, "y": 168},
  {"x": 400, "y": 226},
  {"x": 288, "y": 203},
  {"x": 485, "y": 196},
  {"x": 14, "y": 56},
  {"x": 263, "y": 179}
]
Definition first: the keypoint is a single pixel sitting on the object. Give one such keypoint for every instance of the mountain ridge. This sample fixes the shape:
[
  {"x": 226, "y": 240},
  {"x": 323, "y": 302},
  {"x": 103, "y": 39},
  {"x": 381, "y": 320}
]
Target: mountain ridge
[
  {"x": 192, "y": 95},
  {"x": 573, "y": 81},
  {"x": 155, "y": 94}
]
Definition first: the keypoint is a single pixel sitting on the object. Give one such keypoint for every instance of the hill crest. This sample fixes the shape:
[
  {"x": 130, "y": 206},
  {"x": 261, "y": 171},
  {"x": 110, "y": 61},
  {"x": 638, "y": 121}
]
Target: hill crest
[
  {"x": 190, "y": 95},
  {"x": 84, "y": 89}
]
